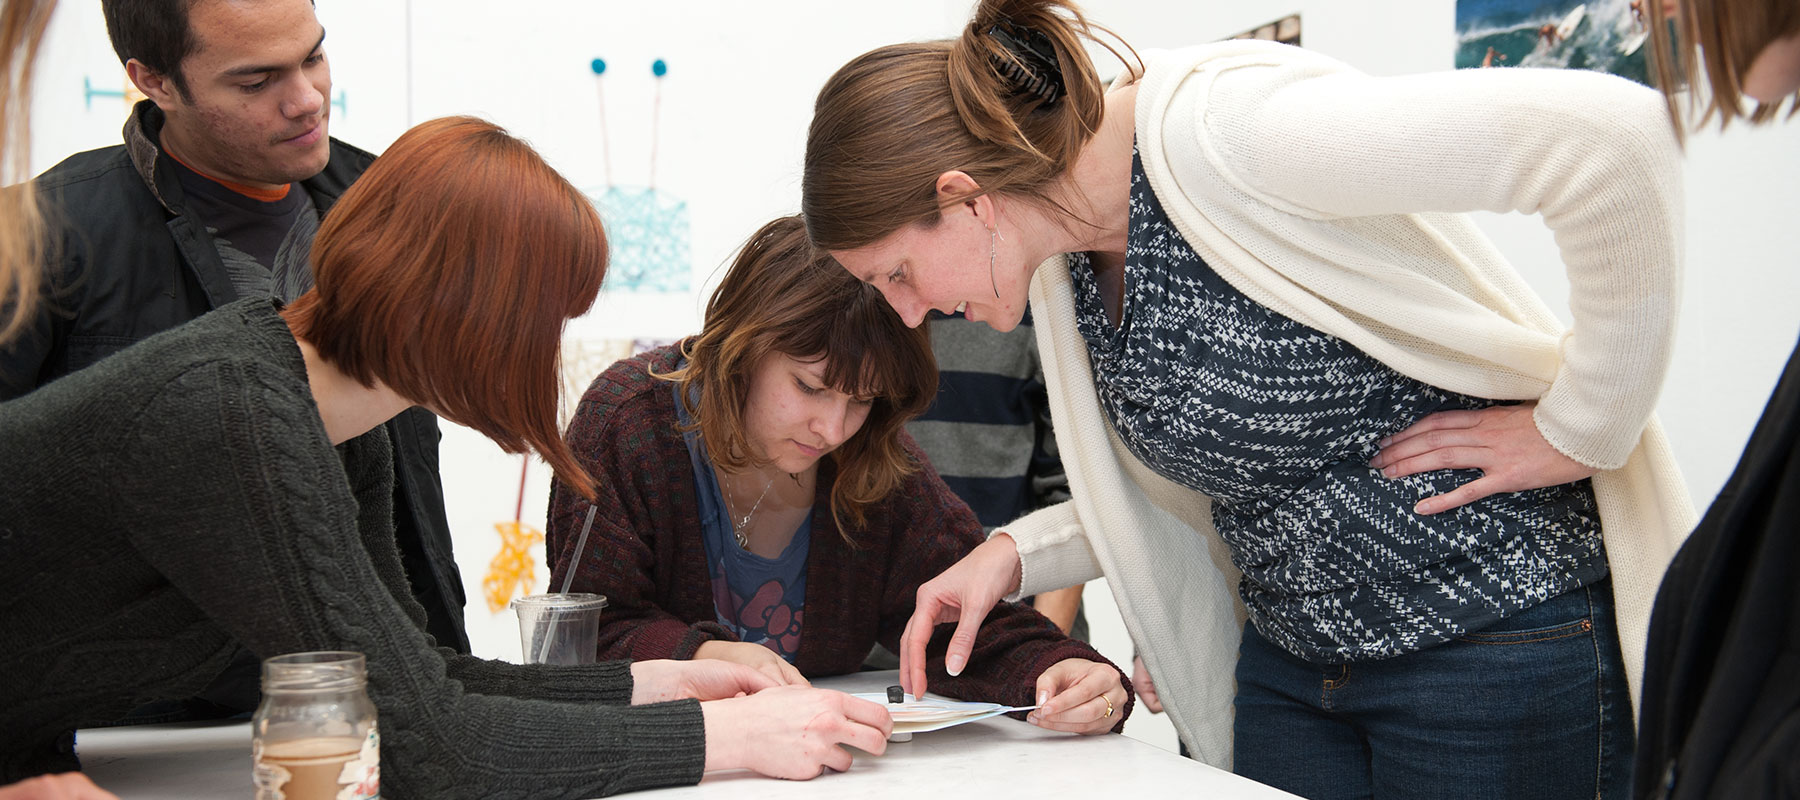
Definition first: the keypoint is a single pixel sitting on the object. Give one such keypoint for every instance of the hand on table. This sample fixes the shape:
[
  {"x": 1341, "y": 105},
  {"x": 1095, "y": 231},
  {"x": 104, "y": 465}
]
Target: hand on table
[
  {"x": 754, "y": 656},
  {"x": 64, "y": 786},
  {"x": 965, "y": 593},
  {"x": 1145, "y": 686},
  {"x": 793, "y": 732},
  {"x": 665, "y": 679},
  {"x": 1079, "y": 696},
  {"x": 1503, "y": 442}
]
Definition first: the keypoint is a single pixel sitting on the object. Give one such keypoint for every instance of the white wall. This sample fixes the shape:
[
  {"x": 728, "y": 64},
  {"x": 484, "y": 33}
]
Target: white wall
[{"x": 734, "y": 111}]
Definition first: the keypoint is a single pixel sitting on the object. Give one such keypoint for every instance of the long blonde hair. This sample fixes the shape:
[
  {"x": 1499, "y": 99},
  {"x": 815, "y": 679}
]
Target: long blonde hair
[
  {"x": 894, "y": 119},
  {"x": 22, "y": 25},
  {"x": 1724, "y": 37}
]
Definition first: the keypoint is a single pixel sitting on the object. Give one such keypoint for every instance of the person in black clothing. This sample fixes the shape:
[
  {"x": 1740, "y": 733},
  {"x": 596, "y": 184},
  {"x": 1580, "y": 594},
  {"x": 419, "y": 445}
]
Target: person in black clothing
[
  {"x": 1721, "y": 704},
  {"x": 214, "y": 196}
]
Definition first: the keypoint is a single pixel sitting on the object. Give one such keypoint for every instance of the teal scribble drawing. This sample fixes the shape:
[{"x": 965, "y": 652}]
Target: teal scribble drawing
[
  {"x": 87, "y": 88},
  {"x": 648, "y": 231},
  {"x": 646, "y": 227}
]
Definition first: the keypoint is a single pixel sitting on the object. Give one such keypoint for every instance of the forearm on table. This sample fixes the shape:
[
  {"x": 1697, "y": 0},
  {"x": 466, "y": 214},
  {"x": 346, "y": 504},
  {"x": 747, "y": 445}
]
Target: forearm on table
[
  {"x": 607, "y": 682},
  {"x": 1012, "y": 651},
  {"x": 448, "y": 722},
  {"x": 657, "y": 635},
  {"x": 1005, "y": 664},
  {"x": 484, "y": 746}
]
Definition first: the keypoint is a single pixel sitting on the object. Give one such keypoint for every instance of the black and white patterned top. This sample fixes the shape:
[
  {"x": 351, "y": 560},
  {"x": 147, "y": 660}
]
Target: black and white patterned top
[{"x": 1277, "y": 422}]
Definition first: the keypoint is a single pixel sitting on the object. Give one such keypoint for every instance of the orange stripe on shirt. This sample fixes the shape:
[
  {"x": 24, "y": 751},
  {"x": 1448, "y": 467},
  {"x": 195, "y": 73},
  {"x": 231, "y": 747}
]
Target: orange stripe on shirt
[{"x": 262, "y": 195}]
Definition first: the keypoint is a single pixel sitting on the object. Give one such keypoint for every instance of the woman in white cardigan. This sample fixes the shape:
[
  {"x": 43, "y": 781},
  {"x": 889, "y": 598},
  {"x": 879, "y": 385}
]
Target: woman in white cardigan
[{"x": 1275, "y": 349}]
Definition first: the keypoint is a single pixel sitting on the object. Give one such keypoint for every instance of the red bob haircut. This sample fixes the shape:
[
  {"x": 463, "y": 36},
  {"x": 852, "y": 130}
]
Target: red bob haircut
[{"x": 448, "y": 271}]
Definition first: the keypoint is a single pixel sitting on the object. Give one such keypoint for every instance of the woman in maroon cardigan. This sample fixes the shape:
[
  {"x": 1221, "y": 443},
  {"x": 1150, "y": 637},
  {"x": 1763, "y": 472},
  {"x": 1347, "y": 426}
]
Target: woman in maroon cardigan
[{"x": 780, "y": 516}]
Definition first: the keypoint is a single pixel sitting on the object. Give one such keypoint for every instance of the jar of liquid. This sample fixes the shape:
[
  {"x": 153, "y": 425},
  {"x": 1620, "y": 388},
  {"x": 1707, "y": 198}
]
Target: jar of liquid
[{"x": 314, "y": 736}]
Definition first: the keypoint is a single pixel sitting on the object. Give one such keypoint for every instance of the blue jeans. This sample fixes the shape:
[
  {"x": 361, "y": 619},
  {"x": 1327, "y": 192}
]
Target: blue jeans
[{"x": 1534, "y": 707}]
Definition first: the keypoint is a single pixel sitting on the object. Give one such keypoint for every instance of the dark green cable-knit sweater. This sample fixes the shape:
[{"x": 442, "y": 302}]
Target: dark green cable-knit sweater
[{"x": 184, "y": 493}]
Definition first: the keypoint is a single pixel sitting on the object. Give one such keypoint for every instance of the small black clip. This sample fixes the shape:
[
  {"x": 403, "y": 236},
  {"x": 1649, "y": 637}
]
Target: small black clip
[
  {"x": 1035, "y": 69},
  {"x": 896, "y": 695}
]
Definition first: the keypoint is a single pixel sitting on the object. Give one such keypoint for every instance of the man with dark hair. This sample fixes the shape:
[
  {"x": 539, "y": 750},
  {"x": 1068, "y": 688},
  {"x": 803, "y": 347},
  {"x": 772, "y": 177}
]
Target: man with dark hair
[{"x": 215, "y": 195}]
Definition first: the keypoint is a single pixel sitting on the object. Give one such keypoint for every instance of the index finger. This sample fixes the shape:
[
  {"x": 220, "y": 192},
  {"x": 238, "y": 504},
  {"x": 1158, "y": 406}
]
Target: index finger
[
  {"x": 1089, "y": 684},
  {"x": 962, "y": 641},
  {"x": 1050, "y": 682},
  {"x": 912, "y": 646}
]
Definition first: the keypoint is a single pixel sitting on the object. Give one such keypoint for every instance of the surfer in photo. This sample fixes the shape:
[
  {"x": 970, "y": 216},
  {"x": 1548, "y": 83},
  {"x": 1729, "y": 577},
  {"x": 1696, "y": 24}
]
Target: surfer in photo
[{"x": 1548, "y": 35}]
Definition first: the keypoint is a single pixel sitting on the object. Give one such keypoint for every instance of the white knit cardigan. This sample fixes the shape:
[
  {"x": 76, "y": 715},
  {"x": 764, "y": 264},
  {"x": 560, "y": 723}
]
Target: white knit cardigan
[{"x": 1331, "y": 197}]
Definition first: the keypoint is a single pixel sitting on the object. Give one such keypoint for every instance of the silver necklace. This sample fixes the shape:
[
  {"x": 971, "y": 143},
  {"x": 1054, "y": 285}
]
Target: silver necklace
[{"x": 739, "y": 528}]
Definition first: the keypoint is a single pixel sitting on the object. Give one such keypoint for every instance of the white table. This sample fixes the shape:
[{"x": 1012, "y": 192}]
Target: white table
[{"x": 997, "y": 756}]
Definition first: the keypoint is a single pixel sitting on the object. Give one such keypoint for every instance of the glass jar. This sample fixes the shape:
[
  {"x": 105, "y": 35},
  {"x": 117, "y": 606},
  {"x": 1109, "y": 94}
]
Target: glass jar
[{"x": 314, "y": 736}]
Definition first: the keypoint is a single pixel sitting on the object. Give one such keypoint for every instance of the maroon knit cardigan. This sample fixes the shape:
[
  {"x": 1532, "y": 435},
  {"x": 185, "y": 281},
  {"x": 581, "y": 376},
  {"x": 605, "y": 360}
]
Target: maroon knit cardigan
[{"x": 646, "y": 556}]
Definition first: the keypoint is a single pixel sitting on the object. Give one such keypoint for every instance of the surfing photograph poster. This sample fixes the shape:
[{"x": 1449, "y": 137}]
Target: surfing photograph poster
[{"x": 1605, "y": 35}]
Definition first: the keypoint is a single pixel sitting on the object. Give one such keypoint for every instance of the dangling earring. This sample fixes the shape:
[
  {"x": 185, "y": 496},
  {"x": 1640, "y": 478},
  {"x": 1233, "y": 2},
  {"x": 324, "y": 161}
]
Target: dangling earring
[{"x": 993, "y": 235}]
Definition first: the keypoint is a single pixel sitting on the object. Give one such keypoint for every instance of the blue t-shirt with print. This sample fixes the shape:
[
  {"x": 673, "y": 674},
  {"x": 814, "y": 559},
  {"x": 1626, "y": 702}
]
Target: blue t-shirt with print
[{"x": 762, "y": 600}]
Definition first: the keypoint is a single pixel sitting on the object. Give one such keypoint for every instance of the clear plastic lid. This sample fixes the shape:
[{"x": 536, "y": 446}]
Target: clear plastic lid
[{"x": 573, "y": 601}]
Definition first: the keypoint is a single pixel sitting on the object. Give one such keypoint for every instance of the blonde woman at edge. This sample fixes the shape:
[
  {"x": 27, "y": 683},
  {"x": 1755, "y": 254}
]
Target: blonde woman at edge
[
  {"x": 22, "y": 24},
  {"x": 1292, "y": 381}
]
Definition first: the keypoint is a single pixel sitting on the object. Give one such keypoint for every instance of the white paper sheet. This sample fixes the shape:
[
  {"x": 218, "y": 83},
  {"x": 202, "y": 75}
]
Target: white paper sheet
[{"x": 918, "y": 715}]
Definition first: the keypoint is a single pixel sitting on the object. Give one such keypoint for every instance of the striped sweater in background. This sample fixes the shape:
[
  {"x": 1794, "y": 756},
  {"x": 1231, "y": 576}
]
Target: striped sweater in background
[{"x": 988, "y": 432}]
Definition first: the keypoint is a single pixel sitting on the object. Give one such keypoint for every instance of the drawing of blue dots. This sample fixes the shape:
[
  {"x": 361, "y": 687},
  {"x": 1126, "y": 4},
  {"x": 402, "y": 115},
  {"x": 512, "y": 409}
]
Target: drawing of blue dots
[
  {"x": 659, "y": 68},
  {"x": 599, "y": 66}
]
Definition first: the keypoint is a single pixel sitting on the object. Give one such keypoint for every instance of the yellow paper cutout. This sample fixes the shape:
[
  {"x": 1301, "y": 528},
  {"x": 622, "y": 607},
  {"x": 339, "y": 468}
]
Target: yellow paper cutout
[{"x": 513, "y": 571}]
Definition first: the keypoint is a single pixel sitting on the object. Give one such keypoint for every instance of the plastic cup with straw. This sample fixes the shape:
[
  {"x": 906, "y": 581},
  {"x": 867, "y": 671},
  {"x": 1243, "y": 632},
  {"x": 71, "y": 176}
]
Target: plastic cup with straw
[{"x": 562, "y": 628}]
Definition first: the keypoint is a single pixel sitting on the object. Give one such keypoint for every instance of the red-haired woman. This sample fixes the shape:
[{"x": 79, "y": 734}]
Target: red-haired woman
[
  {"x": 251, "y": 438},
  {"x": 760, "y": 502}
]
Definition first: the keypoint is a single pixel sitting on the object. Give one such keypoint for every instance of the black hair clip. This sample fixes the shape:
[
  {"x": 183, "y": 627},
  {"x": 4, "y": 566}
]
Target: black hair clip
[{"x": 1033, "y": 67}]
